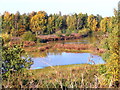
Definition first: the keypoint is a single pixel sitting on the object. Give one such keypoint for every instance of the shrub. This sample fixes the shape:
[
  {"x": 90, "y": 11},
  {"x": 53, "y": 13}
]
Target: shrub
[
  {"x": 13, "y": 61},
  {"x": 84, "y": 31},
  {"x": 102, "y": 69},
  {"x": 69, "y": 31},
  {"x": 58, "y": 33},
  {"x": 6, "y": 37},
  {"x": 28, "y": 36},
  {"x": 14, "y": 66},
  {"x": 63, "y": 31},
  {"x": 67, "y": 34}
]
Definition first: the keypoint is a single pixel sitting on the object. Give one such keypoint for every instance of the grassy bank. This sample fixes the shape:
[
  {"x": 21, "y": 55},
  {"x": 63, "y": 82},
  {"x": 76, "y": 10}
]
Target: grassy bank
[{"x": 69, "y": 76}]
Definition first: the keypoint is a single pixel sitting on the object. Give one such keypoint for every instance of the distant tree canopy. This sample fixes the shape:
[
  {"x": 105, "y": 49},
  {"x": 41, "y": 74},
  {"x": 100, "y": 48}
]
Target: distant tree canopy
[{"x": 42, "y": 23}]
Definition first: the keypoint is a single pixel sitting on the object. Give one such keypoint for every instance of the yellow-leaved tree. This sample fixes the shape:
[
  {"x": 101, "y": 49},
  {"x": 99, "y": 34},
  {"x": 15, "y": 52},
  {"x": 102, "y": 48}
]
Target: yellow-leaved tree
[
  {"x": 92, "y": 23},
  {"x": 105, "y": 24},
  {"x": 113, "y": 52},
  {"x": 38, "y": 22}
]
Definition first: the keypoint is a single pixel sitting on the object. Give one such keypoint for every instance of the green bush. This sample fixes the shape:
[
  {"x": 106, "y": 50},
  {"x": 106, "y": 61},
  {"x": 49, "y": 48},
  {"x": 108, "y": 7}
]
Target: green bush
[
  {"x": 6, "y": 37},
  {"x": 84, "y": 31},
  {"x": 13, "y": 62},
  {"x": 74, "y": 31},
  {"x": 69, "y": 31},
  {"x": 28, "y": 36},
  {"x": 102, "y": 69},
  {"x": 58, "y": 33},
  {"x": 14, "y": 67},
  {"x": 67, "y": 34},
  {"x": 63, "y": 31}
]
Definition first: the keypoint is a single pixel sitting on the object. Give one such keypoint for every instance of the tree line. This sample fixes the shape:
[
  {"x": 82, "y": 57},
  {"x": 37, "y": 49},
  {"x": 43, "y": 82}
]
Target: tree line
[{"x": 42, "y": 23}]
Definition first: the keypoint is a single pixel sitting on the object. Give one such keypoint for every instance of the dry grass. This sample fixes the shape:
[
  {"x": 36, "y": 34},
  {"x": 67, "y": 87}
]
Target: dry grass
[{"x": 70, "y": 76}]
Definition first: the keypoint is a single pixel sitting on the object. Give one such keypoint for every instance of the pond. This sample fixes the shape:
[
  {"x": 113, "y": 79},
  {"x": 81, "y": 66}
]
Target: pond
[
  {"x": 55, "y": 58},
  {"x": 64, "y": 58}
]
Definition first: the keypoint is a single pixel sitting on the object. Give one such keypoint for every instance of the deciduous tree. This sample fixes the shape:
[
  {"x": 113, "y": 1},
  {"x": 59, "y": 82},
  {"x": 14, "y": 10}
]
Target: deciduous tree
[{"x": 38, "y": 22}]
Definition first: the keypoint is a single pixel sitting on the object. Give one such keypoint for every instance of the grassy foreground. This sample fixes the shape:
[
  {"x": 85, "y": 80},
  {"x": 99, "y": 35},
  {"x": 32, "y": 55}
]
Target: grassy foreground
[{"x": 69, "y": 76}]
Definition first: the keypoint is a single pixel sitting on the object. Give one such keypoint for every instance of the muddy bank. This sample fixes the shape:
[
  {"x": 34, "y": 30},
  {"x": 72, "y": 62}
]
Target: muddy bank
[
  {"x": 47, "y": 38},
  {"x": 88, "y": 47},
  {"x": 44, "y": 39},
  {"x": 67, "y": 48},
  {"x": 43, "y": 48},
  {"x": 74, "y": 46}
]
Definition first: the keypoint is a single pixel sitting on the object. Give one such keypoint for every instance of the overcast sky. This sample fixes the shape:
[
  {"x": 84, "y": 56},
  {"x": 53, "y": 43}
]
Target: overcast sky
[{"x": 102, "y": 7}]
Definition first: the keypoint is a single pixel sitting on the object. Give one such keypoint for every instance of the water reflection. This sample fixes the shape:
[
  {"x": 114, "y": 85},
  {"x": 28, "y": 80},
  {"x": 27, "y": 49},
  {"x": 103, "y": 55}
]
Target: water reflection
[
  {"x": 65, "y": 59},
  {"x": 86, "y": 40}
]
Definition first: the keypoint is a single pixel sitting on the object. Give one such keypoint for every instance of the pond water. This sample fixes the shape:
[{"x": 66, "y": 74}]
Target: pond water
[
  {"x": 65, "y": 59},
  {"x": 55, "y": 58},
  {"x": 85, "y": 40}
]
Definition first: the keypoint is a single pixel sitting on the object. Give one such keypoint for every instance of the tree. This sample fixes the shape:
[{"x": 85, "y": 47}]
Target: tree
[
  {"x": 105, "y": 24},
  {"x": 64, "y": 24},
  {"x": 7, "y": 22},
  {"x": 72, "y": 22},
  {"x": 51, "y": 24},
  {"x": 23, "y": 25},
  {"x": 99, "y": 18},
  {"x": 58, "y": 22},
  {"x": 113, "y": 62},
  {"x": 92, "y": 23},
  {"x": 82, "y": 21},
  {"x": 16, "y": 20},
  {"x": 38, "y": 22},
  {"x": 112, "y": 52}
]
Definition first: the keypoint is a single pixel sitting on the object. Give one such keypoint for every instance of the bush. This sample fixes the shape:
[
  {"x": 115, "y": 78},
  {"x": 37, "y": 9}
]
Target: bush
[
  {"x": 102, "y": 69},
  {"x": 84, "y": 31},
  {"x": 58, "y": 33},
  {"x": 75, "y": 31},
  {"x": 67, "y": 34},
  {"x": 63, "y": 31},
  {"x": 6, "y": 37},
  {"x": 69, "y": 31},
  {"x": 28, "y": 36},
  {"x": 14, "y": 66},
  {"x": 13, "y": 62}
]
